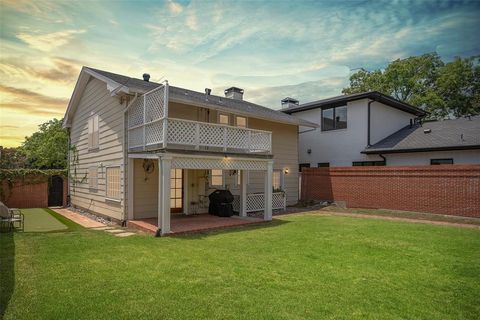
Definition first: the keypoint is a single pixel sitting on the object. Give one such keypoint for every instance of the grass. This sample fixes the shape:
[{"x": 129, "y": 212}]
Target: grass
[
  {"x": 297, "y": 267},
  {"x": 39, "y": 220},
  {"x": 407, "y": 214}
]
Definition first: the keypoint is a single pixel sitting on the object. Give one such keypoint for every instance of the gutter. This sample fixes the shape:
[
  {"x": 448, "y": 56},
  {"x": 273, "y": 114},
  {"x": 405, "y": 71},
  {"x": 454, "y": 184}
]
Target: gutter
[{"x": 451, "y": 148}]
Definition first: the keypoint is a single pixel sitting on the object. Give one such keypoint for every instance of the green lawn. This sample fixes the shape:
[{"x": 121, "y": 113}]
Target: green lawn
[{"x": 298, "y": 267}]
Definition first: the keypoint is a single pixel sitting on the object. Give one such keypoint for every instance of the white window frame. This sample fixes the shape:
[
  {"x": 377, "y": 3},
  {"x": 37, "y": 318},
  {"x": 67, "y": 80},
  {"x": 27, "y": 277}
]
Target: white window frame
[
  {"x": 107, "y": 197},
  {"x": 281, "y": 178},
  {"x": 93, "y": 132},
  {"x": 246, "y": 121},
  {"x": 217, "y": 175},
  {"x": 93, "y": 177},
  {"x": 220, "y": 114}
]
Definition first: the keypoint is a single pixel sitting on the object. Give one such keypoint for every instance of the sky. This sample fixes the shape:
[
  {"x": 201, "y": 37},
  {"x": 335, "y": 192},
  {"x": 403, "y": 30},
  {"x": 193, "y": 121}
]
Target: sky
[{"x": 271, "y": 49}]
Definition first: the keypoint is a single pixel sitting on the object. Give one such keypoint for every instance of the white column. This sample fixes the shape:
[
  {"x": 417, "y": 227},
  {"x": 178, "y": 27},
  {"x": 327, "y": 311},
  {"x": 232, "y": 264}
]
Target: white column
[
  {"x": 165, "y": 164},
  {"x": 267, "y": 215},
  {"x": 243, "y": 193},
  {"x": 130, "y": 187},
  {"x": 186, "y": 195}
]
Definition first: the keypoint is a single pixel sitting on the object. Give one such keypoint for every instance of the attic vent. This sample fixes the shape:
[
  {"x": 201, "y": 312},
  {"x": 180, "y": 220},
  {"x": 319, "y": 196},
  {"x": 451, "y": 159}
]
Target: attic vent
[
  {"x": 146, "y": 77},
  {"x": 427, "y": 131}
]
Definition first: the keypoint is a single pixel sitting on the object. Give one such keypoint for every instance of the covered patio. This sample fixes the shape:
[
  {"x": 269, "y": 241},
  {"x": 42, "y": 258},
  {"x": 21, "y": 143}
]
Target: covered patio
[
  {"x": 169, "y": 195},
  {"x": 182, "y": 224}
]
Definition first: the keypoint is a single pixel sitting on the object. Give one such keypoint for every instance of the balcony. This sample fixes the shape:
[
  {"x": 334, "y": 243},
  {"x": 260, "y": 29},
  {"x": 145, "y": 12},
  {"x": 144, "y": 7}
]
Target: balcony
[{"x": 149, "y": 128}]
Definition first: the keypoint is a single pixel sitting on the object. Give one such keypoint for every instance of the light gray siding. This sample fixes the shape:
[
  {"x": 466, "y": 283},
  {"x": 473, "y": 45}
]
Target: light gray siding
[{"x": 96, "y": 99}]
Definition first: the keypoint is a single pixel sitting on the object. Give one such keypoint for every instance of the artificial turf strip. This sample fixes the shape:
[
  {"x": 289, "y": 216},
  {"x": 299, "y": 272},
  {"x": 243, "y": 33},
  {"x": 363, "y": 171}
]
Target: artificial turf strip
[
  {"x": 297, "y": 267},
  {"x": 39, "y": 220}
]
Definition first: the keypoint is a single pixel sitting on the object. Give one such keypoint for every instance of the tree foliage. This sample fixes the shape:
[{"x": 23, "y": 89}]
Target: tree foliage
[
  {"x": 443, "y": 89},
  {"x": 48, "y": 147}
]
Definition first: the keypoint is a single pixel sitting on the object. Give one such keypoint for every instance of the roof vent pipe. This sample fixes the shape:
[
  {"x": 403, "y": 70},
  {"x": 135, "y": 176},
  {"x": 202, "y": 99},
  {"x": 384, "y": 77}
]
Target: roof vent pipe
[
  {"x": 146, "y": 77},
  {"x": 208, "y": 91}
]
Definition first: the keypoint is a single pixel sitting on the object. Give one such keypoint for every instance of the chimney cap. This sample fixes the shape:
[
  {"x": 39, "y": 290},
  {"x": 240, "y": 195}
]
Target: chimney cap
[
  {"x": 234, "y": 89},
  {"x": 290, "y": 100},
  {"x": 146, "y": 77}
]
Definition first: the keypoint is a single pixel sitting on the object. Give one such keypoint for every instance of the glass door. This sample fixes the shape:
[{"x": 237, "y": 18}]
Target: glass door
[{"x": 176, "y": 190}]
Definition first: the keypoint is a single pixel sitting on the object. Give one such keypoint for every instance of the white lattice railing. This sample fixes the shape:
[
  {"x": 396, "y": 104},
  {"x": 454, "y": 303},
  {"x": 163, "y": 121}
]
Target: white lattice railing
[
  {"x": 256, "y": 201},
  {"x": 149, "y": 125},
  {"x": 223, "y": 137},
  {"x": 147, "y": 118}
]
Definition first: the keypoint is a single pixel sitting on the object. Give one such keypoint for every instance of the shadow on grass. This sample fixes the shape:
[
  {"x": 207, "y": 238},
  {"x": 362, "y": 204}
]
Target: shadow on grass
[
  {"x": 7, "y": 272},
  {"x": 230, "y": 230}
]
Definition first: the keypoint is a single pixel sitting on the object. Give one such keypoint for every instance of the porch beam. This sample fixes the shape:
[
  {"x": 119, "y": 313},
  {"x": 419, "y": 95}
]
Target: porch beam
[
  {"x": 267, "y": 215},
  {"x": 243, "y": 193}
]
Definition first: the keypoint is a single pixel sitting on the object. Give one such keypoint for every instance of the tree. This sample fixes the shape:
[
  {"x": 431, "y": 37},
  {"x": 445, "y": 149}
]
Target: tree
[
  {"x": 48, "y": 147},
  {"x": 425, "y": 81},
  {"x": 12, "y": 158}
]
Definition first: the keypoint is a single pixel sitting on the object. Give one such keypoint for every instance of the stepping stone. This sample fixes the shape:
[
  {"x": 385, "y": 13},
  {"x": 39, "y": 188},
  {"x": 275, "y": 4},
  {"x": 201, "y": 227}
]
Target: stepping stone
[
  {"x": 102, "y": 228},
  {"x": 115, "y": 230},
  {"x": 124, "y": 234}
]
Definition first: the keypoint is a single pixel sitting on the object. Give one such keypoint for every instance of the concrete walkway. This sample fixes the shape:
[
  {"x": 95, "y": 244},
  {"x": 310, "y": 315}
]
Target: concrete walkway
[{"x": 91, "y": 224}]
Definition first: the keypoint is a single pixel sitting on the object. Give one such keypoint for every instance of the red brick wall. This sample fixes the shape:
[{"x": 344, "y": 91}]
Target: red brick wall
[
  {"x": 29, "y": 195},
  {"x": 452, "y": 189}
]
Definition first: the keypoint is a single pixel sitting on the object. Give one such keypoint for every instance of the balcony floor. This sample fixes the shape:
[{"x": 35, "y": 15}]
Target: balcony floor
[{"x": 182, "y": 224}]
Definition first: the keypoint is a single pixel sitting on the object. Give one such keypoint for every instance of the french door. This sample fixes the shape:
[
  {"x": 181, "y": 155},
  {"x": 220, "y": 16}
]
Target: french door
[{"x": 176, "y": 190}]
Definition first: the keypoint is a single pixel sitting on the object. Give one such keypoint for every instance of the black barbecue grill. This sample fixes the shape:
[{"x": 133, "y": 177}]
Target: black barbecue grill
[{"x": 221, "y": 203}]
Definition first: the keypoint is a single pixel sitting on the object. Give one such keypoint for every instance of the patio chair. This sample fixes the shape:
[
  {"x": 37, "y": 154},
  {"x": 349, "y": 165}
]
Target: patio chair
[{"x": 10, "y": 217}]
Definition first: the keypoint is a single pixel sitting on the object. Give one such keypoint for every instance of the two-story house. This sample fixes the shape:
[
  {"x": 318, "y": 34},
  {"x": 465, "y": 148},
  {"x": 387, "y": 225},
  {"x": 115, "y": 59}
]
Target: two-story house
[
  {"x": 141, "y": 149},
  {"x": 372, "y": 129}
]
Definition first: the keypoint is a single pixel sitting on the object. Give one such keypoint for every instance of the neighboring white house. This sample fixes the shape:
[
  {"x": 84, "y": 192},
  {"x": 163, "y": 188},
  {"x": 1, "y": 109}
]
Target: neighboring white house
[
  {"x": 371, "y": 128},
  {"x": 147, "y": 150}
]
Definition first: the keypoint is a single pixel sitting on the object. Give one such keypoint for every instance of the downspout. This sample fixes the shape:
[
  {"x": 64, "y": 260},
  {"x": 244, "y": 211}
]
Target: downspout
[
  {"x": 68, "y": 166},
  {"x": 383, "y": 157}
]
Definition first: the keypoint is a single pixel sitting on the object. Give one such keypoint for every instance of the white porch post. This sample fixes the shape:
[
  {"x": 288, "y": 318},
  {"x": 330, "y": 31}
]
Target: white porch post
[
  {"x": 130, "y": 187},
  {"x": 267, "y": 215},
  {"x": 165, "y": 164},
  {"x": 243, "y": 193}
]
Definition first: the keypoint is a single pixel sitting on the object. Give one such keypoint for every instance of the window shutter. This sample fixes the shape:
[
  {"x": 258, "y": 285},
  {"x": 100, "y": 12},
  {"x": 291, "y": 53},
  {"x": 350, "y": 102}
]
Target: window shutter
[
  {"x": 90, "y": 133},
  {"x": 95, "y": 131}
]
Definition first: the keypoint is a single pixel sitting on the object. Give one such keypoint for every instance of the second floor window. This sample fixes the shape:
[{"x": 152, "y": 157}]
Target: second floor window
[
  {"x": 224, "y": 119},
  {"x": 93, "y": 132},
  {"x": 241, "y": 122},
  {"x": 334, "y": 118}
]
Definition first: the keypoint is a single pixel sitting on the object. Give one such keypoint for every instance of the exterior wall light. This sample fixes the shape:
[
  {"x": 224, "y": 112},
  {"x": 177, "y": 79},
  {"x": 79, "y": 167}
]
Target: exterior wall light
[{"x": 286, "y": 171}]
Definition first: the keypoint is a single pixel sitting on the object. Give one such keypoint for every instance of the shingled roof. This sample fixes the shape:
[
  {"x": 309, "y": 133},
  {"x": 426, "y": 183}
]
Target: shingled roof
[
  {"x": 455, "y": 134},
  {"x": 182, "y": 95},
  {"x": 343, "y": 99}
]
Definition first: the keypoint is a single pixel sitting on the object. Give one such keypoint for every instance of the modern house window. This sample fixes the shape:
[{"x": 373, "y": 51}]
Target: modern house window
[
  {"x": 93, "y": 132},
  {"x": 303, "y": 165},
  {"x": 441, "y": 161},
  {"x": 277, "y": 182},
  {"x": 224, "y": 119},
  {"x": 368, "y": 163},
  {"x": 323, "y": 164},
  {"x": 93, "y": 177},
  {"x": 216, "y": 178},
  {"x": 113, "y": 183},
  {"x": 241, "y": 122},
  {"x": 334, "y": 118}
]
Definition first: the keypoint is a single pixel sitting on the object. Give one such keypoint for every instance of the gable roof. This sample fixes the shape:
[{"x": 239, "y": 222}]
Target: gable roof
[
  {"x": 120, "y": 83},
  {"x": 455, "y": 134},
  {"x": 342, "y": 100}
]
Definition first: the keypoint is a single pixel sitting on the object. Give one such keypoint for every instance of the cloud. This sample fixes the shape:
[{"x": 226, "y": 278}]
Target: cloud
[
  {"x": 48, "y": 41},
  {"x": 174, "y": 7},
  {"x": 58, "y": 69},
  {"x": 26, "y": 101}
]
